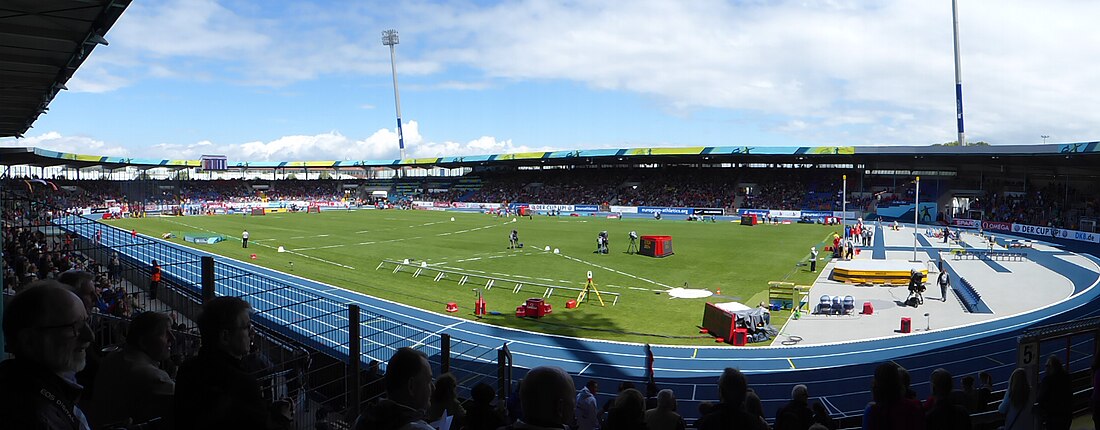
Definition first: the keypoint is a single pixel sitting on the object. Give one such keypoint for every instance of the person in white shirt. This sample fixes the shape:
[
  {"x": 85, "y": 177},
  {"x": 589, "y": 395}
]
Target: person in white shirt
[{"x": 587, "y": 413}]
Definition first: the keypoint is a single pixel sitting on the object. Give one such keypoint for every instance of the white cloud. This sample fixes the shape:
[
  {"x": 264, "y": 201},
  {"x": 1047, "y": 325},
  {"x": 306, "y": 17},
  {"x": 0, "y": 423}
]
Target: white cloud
[
  {"x": 828, "y": 72},
  {"x": 381, "y": 145},
  {"x": 54, "y": 141}
]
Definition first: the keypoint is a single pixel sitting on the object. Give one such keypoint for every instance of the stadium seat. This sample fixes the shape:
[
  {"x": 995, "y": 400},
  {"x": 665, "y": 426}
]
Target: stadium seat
[{"x": 825, "y": 306}]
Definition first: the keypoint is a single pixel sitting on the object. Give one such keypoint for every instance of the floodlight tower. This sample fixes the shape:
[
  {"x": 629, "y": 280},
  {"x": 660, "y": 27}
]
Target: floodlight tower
[
  {"x": 389, "y": 38},
  {"x": 958, "y": 74}
]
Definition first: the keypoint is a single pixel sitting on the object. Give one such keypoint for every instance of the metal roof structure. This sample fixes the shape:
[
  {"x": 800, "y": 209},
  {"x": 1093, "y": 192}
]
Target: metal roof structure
[
  {"x": 1082, "y": 158},
  {"x": 42, "y": 43}
]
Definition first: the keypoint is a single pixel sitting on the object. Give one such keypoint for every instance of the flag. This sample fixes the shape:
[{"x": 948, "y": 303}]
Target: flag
[{"x": 648, "y": 362}]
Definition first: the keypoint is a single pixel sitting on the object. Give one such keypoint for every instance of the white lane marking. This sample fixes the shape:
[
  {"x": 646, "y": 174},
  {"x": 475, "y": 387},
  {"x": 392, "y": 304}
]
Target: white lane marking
[
  {"x": 272, "y": 247},
  {"x": 617, "y": 271}
]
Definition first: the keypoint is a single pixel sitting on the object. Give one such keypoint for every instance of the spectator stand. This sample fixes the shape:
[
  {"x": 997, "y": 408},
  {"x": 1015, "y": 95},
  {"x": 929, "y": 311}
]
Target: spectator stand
[{"x": 304, "y": 342}]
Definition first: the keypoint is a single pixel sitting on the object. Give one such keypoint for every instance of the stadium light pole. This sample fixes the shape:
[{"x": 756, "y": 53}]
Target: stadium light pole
[
  {"x": 958, "y": 74},
  {"x": 1045, "y": 137},
  {"x": 916, "y": 219},
  {"x": 389, "y": 38}
]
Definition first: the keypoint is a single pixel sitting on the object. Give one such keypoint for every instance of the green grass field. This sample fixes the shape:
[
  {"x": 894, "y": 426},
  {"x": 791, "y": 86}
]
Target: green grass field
[{"x": 344, "y": 248}]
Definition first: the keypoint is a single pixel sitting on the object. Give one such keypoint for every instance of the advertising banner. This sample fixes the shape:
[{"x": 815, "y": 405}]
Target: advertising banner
[
  {"x": 817, "y": 214},
  {"x": 625, "y": 209},
  {"x": 1082, "y": 236},
  {"x": 543, "y": 208},
  {"x": 757, "y": 212},
  {"x": 663, "y": 210},
  {"x": 1031, "y": 229},
  {"x": 707, "y": 211},
  {"x": 785, "y": 214},
  {"x": 967, "y": 223},
  {"x": 422, "y": 204},
  {"x": 848, "y": 214},
  {"x": 590, "y": 208},
  {"x": 997, "y": 226},
  {"x": 474, "y": 205}
]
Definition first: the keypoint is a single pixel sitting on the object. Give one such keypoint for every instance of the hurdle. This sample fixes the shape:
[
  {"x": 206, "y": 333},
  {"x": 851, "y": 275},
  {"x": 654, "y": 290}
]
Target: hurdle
[{"x": 490, "y": 281}]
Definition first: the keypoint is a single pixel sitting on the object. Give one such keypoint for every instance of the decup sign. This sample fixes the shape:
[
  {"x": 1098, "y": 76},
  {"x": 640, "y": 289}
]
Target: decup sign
[{"x": 1031, "y": 229}]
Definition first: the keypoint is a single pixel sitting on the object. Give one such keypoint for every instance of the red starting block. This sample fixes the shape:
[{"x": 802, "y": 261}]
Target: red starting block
[
  {"x": 570, "y": 304},
  {"x": 452, "y": 307}
]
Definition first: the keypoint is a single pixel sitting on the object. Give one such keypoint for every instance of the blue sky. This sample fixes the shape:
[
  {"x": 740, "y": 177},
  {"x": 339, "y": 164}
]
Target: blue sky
[{"x": 275, "y": 80}]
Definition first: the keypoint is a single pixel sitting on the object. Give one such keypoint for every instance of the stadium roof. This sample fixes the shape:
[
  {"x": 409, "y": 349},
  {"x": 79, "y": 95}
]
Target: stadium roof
[
  {"x": 1065, "y": 158},
  {"x": 42, "y": 43}
]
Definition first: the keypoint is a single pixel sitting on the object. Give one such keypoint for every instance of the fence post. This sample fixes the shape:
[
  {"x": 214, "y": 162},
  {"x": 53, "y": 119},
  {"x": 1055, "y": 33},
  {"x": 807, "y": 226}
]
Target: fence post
[
  {"x": 504, "y": 372},
  {"x": 444, "y": 353},
  {"x": 207, "y": 279},
  {"x": 354, "y": 345}
]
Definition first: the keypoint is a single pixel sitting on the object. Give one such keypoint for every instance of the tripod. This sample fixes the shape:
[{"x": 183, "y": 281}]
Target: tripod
[
  {"x": 632, "y": 248},
  {"x": 590, "y": 286}
]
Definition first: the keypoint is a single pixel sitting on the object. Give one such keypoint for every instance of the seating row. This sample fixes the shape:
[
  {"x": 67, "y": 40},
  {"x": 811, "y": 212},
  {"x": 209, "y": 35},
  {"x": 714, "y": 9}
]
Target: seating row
[{"x": 970, "y": 296}]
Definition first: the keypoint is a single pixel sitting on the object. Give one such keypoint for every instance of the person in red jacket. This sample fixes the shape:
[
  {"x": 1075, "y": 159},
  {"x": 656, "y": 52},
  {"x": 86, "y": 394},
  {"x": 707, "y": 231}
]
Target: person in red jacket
[{"x": 154, "y": 280}]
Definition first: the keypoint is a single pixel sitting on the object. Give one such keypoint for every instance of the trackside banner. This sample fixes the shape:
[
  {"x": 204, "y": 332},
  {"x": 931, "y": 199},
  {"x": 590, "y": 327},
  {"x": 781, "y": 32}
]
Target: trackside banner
[
  {"x": 544, "y": 207},
  {"x": 967, "y": 223},
  {"x": 588, "y": 208},
  {"x": 785, "y": 214},
  {"x": 757, "y": 212},
  {"x": 1080, "y": 236},
  {"x": 707, "y": 211},
  {"x": 996, "y": 226},
  {"x": 1083, "y": 236},
  {"x": 817, "y": 214},
  {"x": 1031, "y": 229},
  {"x": 663, "y": 210},
  {"x": 471, "y": 205},
  {"x": 625, "y": 209}
]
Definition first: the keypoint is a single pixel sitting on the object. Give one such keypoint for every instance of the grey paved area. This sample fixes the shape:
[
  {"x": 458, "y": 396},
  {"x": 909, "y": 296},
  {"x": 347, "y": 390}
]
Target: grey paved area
[{"x": 1025, "y": 286}]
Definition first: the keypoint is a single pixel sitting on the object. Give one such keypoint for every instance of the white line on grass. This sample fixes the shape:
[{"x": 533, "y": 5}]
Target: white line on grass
[
  {"x": 272, "y": 247},
  {"x": 617, "y": 271}
]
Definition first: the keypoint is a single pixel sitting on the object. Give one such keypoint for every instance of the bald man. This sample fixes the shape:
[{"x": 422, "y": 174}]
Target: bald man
[
  {"x": 548, "y": 399},
  {"x": 48, "y": 333}
]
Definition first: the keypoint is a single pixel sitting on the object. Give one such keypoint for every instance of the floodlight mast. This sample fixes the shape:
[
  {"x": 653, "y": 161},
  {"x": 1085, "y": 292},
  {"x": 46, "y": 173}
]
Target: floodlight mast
[
  {"x": 958, "y": 74},
  {"x": 389, "y": 38}
]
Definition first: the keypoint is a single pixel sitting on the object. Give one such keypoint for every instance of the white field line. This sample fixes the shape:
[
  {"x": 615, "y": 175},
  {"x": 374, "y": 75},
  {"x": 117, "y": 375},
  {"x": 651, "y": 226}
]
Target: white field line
[
  {"x": 272, "y": 247},
  {"x": 618, "y": 271},
  {"x": 400, "y": 239}
]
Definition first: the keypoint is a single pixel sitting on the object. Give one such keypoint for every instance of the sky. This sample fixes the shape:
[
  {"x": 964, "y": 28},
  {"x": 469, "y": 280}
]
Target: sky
[{"x": 268, "y": 80}]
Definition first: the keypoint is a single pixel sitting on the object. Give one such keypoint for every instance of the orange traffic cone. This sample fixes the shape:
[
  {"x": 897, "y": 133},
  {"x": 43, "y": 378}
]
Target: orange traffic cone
[{"x": 719, "y": 292}]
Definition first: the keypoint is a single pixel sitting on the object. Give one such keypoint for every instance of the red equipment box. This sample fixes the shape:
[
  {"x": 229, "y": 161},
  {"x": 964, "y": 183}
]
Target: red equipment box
[
  {"x": 906, "y": 325},
  {"x": 740, "y": 337},
  {"x": 537, "y": 308},
  {"x": 656, "y": 246}
]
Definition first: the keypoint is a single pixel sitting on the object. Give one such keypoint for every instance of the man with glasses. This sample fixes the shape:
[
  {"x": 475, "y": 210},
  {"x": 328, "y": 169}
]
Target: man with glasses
[
  {"x": 47, "y": 330},
  {"x": 213, "y": 390}
]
